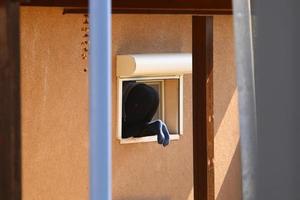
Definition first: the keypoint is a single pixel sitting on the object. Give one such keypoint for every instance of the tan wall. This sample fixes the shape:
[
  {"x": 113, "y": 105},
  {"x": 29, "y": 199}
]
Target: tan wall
[
  {"x": 227, "y": 151},
  {"x": 54, "y": 106},
  {"x": 149, "y": 171},
  {"x": 55, "y": 110}
]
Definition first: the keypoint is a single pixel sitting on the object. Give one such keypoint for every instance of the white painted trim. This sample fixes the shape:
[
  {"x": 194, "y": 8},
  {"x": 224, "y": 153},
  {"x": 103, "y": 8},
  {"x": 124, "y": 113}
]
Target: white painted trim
[
  {"x": 120, "y": 81},
  {"x": 146, "y": 139},
  {"x": 119, "y": 108},
  {"x": 120, "y": 96},
  {"x": 181, "y": 105},
  {"x": 163, "y": 100},
  {"x": 154, "y": 64},
  {"x": 137, "y": 78}
]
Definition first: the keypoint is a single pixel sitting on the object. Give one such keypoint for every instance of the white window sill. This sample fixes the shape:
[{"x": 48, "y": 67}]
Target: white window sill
[{"x": 146, "y": 139}]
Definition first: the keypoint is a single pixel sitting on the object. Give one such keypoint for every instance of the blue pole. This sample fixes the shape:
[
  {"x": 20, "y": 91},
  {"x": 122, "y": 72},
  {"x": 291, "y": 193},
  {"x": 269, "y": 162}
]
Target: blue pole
[
  {"x": 247, "y": 100},
  {"x": 100, "y": 99}
]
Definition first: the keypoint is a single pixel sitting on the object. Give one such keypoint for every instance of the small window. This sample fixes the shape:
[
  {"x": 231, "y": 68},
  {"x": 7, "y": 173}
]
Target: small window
[{"x": 170, "y": 107}]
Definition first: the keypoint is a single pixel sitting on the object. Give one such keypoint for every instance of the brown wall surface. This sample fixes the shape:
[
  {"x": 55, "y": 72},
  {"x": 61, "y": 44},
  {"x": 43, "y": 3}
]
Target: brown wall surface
[
  {"x": 55, "y": 110},
  {"x": 54, "y": 106},
  {"x": 227, "y": 149},
  {"x": 147, "y": 171}
]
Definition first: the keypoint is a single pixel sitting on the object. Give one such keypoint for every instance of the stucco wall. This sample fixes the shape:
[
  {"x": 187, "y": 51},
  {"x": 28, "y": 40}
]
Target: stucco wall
[
  {"x": 54, "y": 106},
  {"x": 227, "y": 151},
  {"x": 55, "y": 110},
  {"x": 149, "y": 171}
]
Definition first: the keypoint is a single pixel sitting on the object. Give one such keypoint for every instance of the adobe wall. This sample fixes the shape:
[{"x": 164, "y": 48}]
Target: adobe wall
[{"x": 55, "y": 110}]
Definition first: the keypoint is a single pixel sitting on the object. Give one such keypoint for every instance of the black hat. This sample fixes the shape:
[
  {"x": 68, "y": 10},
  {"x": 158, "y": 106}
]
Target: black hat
[{"x": 140, "y": 103}]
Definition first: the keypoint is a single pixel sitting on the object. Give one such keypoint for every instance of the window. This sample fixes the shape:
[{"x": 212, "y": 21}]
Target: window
[{"x": 170, "y": 109}]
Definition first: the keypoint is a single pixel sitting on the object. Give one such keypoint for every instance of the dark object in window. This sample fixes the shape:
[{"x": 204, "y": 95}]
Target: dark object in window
[{"x": 140, "y": 103}]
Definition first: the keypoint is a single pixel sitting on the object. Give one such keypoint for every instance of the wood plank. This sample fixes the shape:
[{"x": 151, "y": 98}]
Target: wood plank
[
  {"x": 55, "y": 3},
  {"x": 203, "y": 136},
  {"x": 173, "y": 6},
  {"x": 10, "y": 142},
  {"x": 208, "y": 7}
]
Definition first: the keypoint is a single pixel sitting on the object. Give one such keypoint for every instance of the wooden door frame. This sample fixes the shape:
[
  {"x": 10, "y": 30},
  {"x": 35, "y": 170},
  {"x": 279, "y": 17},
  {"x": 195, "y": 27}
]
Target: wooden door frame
[{"x": 10, "y": 102}]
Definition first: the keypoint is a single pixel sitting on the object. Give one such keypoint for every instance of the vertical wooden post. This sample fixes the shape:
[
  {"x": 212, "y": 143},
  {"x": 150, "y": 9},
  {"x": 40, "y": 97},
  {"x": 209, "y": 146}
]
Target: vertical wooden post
[
  {"x": 203, "y": 132},
  {"x": 10, "y": 156}
]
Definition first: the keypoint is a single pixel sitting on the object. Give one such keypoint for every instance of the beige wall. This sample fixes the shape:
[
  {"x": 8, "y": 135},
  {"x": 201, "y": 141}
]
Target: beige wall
[
  {"x": 54, "y": 106},
  {"x": 227, "y": 151},
  {"x": 55, "y": 110},
  {"x": 149, "y": 171}
]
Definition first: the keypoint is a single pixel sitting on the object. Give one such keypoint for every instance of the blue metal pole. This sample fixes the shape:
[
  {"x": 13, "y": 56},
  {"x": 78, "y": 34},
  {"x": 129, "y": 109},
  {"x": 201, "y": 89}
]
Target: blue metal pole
[
  {"x": 100, "y": 99},
  {"x": 247, "y": 101}
]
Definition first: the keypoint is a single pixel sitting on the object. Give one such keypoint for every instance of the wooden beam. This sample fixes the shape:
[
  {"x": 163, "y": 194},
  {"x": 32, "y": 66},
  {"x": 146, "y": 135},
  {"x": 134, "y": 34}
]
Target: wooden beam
[
  {"x": 173, "y": 6},
  {"x": 203, "y": 132},
  {"x": 208, "y": 7},
  {"x": 10, "y": 139},
  {"x": 55, "y": 3}
]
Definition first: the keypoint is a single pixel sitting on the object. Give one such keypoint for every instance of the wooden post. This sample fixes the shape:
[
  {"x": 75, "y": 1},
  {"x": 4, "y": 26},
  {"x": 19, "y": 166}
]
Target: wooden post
[
  {"x": 10, "y": 144},
  {"x": 203, "y": 132}
]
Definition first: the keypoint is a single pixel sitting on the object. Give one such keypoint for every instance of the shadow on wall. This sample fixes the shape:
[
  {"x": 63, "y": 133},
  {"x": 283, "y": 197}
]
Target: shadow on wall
[
  {"x": 226, "y": 120},
  {"x": 226, "y": 96},
  {"x": 224, "y": 68},
  {"x": 231, "y": 189}
]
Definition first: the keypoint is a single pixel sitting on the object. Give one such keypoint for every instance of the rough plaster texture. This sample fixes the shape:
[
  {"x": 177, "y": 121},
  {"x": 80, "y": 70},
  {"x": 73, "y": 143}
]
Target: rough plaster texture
[
  {"x": 148, "y": 171},
  {"x": 55, "y": 110},
  {"x": 54, "y": 106},
  {"x": 227, "y": 151}
]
